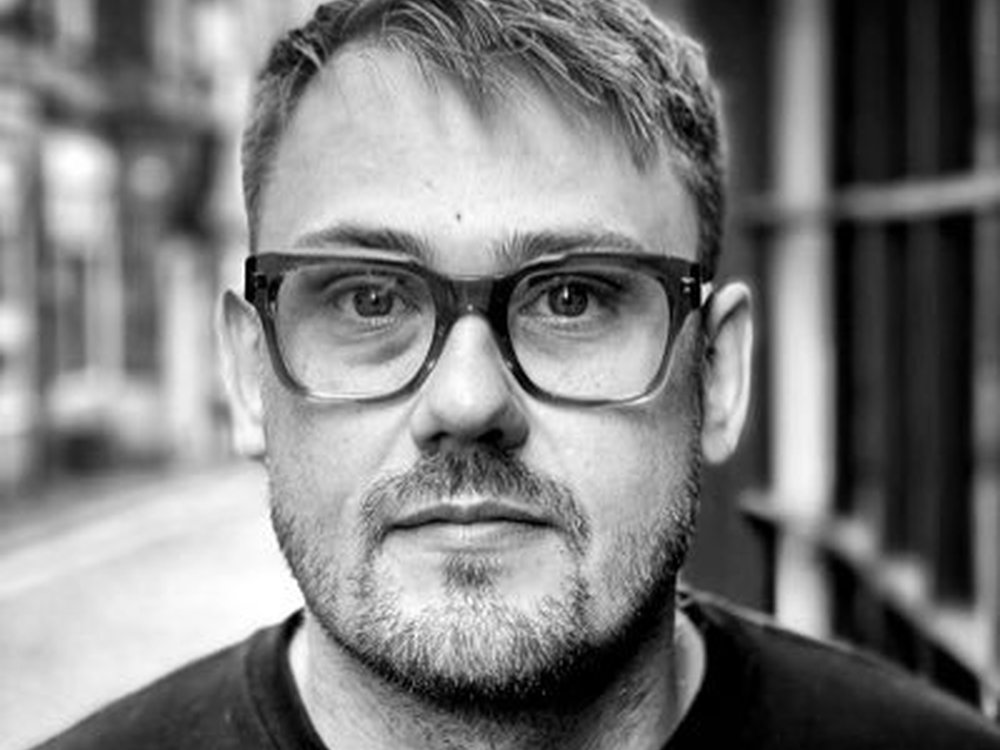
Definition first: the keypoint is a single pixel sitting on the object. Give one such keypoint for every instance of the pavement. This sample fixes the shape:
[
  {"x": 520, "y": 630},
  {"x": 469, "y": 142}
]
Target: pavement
[{"x": 101, "y": 594}]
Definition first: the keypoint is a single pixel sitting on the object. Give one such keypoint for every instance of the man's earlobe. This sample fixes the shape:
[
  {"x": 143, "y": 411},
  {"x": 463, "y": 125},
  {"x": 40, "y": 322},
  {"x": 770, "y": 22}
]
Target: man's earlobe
[
  {"x": 726, "y": 382},
  {"x": 242, "y": 350}
]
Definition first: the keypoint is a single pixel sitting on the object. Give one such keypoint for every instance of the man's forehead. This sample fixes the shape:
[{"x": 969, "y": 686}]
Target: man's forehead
[
  {"x": 386, "y": 139},
  {"x": 365, "y": 81}
]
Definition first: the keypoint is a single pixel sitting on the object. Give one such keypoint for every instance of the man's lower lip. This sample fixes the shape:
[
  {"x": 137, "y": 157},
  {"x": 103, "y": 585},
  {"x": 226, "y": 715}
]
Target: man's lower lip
[{"x": 486, "y": 535}]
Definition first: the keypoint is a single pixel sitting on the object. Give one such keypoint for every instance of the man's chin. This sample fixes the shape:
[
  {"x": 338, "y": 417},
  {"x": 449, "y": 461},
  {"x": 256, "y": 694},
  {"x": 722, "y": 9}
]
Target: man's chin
[{"x": 474, "y": 649}]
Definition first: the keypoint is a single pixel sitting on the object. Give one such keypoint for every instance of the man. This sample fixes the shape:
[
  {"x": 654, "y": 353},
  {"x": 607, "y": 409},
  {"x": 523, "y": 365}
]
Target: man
[{"x": 482, "y": 356}]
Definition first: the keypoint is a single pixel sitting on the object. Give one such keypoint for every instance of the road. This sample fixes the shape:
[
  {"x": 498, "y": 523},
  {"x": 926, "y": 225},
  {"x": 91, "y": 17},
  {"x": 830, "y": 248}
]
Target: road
[{"x": 97, "y": 605}]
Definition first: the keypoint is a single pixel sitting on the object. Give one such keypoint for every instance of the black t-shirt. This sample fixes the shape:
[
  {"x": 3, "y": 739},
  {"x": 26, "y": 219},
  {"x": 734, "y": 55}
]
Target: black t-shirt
[{"x": 764, "y": 688}]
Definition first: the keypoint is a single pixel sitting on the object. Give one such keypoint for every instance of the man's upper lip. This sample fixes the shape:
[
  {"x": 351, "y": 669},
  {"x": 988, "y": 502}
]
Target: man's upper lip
[{"x": 471, "y": 512}]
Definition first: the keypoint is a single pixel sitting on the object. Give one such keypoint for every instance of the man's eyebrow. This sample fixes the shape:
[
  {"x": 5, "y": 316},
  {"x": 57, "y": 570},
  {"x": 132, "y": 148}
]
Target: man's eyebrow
[
  {"x": 524, "y": 247},
  {"x": 511, "y": 252},
  {"x": 356, "y": 236}
]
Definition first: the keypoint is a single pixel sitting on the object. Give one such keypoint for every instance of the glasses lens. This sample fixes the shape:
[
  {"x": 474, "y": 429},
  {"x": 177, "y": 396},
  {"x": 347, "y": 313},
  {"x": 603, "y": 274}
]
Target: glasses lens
[
  {"x": 353, "y": 330},
  {"x": 590, "y": 331}
]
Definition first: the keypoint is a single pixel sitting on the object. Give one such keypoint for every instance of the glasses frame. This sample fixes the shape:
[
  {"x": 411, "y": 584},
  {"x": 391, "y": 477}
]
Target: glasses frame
[{"x": 488, "y": 296}]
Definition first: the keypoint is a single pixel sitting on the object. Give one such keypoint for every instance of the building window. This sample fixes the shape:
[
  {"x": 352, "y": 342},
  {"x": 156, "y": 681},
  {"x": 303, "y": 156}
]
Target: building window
[
  {"x": 901, "y": 223},
  {"x": 83, "y": 311},
  {"x": 124, "y": 32}
]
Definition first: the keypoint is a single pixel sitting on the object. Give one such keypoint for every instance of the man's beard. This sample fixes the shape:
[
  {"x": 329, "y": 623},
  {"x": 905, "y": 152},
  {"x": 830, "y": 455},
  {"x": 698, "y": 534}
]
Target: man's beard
[{"x": 477, "y": 651}]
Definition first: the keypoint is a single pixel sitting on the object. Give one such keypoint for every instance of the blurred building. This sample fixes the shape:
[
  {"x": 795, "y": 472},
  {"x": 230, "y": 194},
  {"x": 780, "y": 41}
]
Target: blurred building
[
  {"x": 119, "y": 218},
  {"x": 866, "y": 197}
]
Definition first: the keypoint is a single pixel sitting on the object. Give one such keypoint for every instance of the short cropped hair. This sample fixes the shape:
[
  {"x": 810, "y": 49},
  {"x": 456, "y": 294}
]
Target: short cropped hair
[{"x": 610, "y": 57}]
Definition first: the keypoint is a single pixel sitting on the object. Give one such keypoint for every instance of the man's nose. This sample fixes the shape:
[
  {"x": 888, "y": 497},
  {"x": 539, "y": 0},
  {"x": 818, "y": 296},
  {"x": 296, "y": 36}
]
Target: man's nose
[{"x": 469, "y": 396}]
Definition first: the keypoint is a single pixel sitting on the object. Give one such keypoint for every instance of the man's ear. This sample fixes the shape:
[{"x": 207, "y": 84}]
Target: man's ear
[
  {"x": 242, "y": 349},
  {"x": 726, "y": 381}
]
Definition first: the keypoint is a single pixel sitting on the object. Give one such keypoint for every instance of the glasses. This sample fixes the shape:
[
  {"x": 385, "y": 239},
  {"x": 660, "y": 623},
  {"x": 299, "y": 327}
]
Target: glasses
[{"x": 580, "y": 328}]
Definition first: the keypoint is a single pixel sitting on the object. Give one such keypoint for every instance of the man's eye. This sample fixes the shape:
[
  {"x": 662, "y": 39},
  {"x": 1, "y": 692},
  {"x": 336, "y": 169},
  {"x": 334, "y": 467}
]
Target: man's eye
[
  {"x": 568, "y": 299},
  {"x": 367, "y": 299},
  {"x": 373, "y": 302}
]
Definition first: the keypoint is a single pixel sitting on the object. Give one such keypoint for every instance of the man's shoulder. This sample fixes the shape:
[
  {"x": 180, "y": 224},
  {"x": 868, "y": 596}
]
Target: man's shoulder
[
  {"x": 825, "y": 694},
  {"x": 205, "y": 704}
]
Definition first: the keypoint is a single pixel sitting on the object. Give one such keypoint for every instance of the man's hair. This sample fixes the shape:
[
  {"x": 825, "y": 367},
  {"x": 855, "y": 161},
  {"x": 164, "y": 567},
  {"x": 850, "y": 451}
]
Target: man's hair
[{"x": 610, "y": 57}]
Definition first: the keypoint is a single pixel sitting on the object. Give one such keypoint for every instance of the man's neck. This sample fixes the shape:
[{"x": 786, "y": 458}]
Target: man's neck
[{"x": 642, "y": 706}]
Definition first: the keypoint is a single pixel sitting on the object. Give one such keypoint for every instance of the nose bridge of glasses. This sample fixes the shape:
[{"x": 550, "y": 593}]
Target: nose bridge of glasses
[
  {"x": 471, "y": 296},
  {"x": 474, "y": 296},
  {"x": 480, "y": 297},
  {"x": 471, "y": 337}
]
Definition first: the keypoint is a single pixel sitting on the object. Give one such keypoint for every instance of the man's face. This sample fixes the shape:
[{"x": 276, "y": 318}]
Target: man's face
[{"x": 498, "y": 606}]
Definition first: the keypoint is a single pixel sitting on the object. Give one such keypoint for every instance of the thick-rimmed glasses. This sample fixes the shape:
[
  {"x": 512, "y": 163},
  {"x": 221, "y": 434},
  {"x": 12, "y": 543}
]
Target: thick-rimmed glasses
[{"x": 583, "y": 328}]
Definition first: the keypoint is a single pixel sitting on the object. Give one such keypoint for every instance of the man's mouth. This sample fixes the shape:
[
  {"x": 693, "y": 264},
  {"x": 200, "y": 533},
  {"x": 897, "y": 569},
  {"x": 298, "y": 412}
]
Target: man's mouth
[
  {"x": 477, "y": 525},
  {"x": 472, "y": 512}
]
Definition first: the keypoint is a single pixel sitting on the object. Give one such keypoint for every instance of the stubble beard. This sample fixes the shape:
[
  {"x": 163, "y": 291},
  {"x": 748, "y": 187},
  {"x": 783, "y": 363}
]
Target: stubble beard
[{"x": 478, "y": 651}]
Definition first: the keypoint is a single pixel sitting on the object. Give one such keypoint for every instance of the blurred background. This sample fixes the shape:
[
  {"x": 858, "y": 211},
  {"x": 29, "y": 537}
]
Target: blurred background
[{"x": 864, "y": 503}]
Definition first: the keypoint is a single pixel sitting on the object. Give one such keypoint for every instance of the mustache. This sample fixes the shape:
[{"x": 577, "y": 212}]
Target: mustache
[{"x": 479, "y": 470}]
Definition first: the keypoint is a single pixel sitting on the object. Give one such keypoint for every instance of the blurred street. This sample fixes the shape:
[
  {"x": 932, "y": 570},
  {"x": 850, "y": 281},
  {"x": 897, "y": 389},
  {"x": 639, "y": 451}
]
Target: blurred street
[{"x": 100, "y": 596}]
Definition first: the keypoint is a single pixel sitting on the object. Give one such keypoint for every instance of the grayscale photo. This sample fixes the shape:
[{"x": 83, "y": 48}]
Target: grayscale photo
[{"x": 499, "y": 374}]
